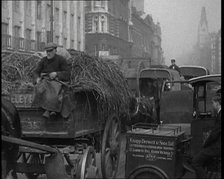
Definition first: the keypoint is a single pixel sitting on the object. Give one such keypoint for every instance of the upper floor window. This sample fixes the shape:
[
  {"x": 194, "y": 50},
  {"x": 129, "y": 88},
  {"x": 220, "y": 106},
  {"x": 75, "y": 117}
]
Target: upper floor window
[
  {"x": 48, "y": 12},
  {"x": 96, "y": 23},
  {"x": 65, "y": 42},
  {"x": 17, "y": 4},
  {"x": 38, "y": 9},
  {"x": 56, "y": 14},
  {"x": 72, "y": 21},
  {"x": 17, "y": 30},
  {"x": 57, "y": 40},
  {"x": 4, "y": 4},
  {"x": 79, "y": 45},
  {"x": 79, "y": 21},
  {"x": 97, "y": 3},
  {"x": 102, "y": 23},
  {"x": 5, "y": 28},
  {"x": 64, "y": 18},
  {"x": 38, "y": 34},
  {"x": 28, "y": 34},
  {"x": 28, "y": 7},
  {"x": 72, "y": 44}
]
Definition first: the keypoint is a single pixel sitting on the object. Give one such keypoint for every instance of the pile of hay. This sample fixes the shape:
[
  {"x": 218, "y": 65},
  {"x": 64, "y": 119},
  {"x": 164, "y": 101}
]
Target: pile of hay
[
  {"x": 104, "y": 78},
  {"x": 17, "y": 68},
  {"x": 88, "y": 74}
]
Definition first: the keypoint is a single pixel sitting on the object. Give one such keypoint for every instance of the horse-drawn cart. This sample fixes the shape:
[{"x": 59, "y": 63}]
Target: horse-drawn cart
[{"x": 91, "y": 108}]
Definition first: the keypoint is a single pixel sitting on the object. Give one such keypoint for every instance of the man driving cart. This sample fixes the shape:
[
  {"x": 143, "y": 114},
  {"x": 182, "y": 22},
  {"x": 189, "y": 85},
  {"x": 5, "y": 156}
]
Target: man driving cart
[{"x": 49, "y": 76}]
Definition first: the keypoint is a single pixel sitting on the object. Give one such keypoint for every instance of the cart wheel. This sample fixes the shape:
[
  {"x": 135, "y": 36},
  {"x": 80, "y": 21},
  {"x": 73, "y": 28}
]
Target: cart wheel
[
  {"x": 88, "y": 167},
  {"x": 111, "y": 147},
  {"x": 34, "y": 159}
]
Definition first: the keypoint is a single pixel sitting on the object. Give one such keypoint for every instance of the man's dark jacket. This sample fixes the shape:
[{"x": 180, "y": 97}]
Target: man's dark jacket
[
  {"x": 214, "y": 139},
  {"x": 175, "y": 67},
  {"x": 56, "y": 64}
]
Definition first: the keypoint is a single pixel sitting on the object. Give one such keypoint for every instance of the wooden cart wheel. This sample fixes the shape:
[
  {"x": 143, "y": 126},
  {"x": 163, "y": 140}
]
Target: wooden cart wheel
[
  {"x": 88, "y": 167},
  {"x": 34, "y": 159},
  {"x": 111, "y": 147}
]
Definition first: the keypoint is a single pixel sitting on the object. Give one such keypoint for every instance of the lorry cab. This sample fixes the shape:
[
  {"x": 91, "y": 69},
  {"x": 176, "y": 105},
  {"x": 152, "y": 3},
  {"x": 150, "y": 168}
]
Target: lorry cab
[
  {"x": 157, "y": 77},
  {"x": 152, "y": 83}
]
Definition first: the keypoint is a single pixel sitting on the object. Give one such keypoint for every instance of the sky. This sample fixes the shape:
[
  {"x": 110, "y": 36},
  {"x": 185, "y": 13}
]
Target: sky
[{"x": 179, "y": 21}]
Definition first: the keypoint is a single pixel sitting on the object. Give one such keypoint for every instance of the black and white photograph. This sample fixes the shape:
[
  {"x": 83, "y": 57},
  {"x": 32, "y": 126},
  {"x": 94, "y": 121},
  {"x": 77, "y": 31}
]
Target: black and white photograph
[{"x": 111, "y": 89}]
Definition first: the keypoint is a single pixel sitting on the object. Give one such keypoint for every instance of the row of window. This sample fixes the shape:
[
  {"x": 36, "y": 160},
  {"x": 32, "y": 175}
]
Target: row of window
[
  {"x": 38, "y": 10},
  {"x": 17, "y": 34}
]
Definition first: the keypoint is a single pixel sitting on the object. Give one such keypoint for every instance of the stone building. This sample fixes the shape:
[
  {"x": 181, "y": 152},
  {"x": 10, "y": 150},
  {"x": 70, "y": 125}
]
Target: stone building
[
  {"x": 119, "y": 29},
  {"x": 107, "y": 28},
  {"x": 26, "y": 25},
  {"x": 145, "y": 37}
]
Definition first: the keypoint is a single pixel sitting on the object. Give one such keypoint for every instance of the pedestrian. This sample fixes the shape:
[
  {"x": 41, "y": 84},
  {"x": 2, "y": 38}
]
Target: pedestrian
[
  {"x": 212, "y": 145},
  {"x": 174, "y": 66},
  {"x": 51, "y": 70}
]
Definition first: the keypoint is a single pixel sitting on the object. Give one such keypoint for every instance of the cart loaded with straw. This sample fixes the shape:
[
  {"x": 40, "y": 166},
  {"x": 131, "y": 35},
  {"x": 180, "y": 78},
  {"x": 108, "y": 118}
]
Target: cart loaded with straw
[{"x": 94, "y": 102}]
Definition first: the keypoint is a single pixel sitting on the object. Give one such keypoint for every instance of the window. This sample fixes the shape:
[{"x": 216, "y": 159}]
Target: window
[
  {"x": 38, "y": 36},
  {"x": 17, "y": 3},
  {"x": 78, "y": 27},
  {"x": 56, "y": 14},
  {"x": 17, "y": 31},
  {"x": 48, "y": 13},
  {"x": 28, "y": 7},
  {"x": 65, "y": 42},
  {"x": 28, "y": 39},
  {"x": 64, "y": 18},
  {"x": 72, "y": 22},
  {"x": 79, "y": 45},
  {"x": 57, "y": 39},
  {"x": 28, "y": 34},
  {"x": 5, "y": 28},
  {"x": 96, "y": 23},
  {"x": 48, "y": 36},
  {"x": 39, "y": 9},
  {"x": 103, "y": 47},
  {"x": 97, "y": 3},
  {"x": 96, "y": 49},
  {"x": 4, "y": 4},
  {"x": 72, "y": 44},
  {"x": 102, "y": 23},
  {"x": 79, "y": 21},
  {"x": 103, "y": 4}
]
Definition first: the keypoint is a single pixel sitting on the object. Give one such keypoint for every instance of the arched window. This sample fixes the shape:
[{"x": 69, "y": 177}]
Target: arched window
[
  {"x": 96, "y": 24},
  {"x": 102, "y": 23}
]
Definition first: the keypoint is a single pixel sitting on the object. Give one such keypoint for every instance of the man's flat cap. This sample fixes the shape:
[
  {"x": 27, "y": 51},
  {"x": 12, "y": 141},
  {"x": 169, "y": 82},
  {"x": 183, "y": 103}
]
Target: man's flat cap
[{"x": 50, "y": 46}]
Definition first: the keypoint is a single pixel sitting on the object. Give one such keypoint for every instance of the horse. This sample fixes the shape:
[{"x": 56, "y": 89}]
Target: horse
[{"x": 10, "y": 126}]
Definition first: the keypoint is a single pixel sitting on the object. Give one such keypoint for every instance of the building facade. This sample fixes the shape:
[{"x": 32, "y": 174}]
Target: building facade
[
  {"x": 107, "y": 28},
  {"x": 117, "y": 29},
  {"x": 26, "y": 25},
  {"x": 145, "y": 37}
]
